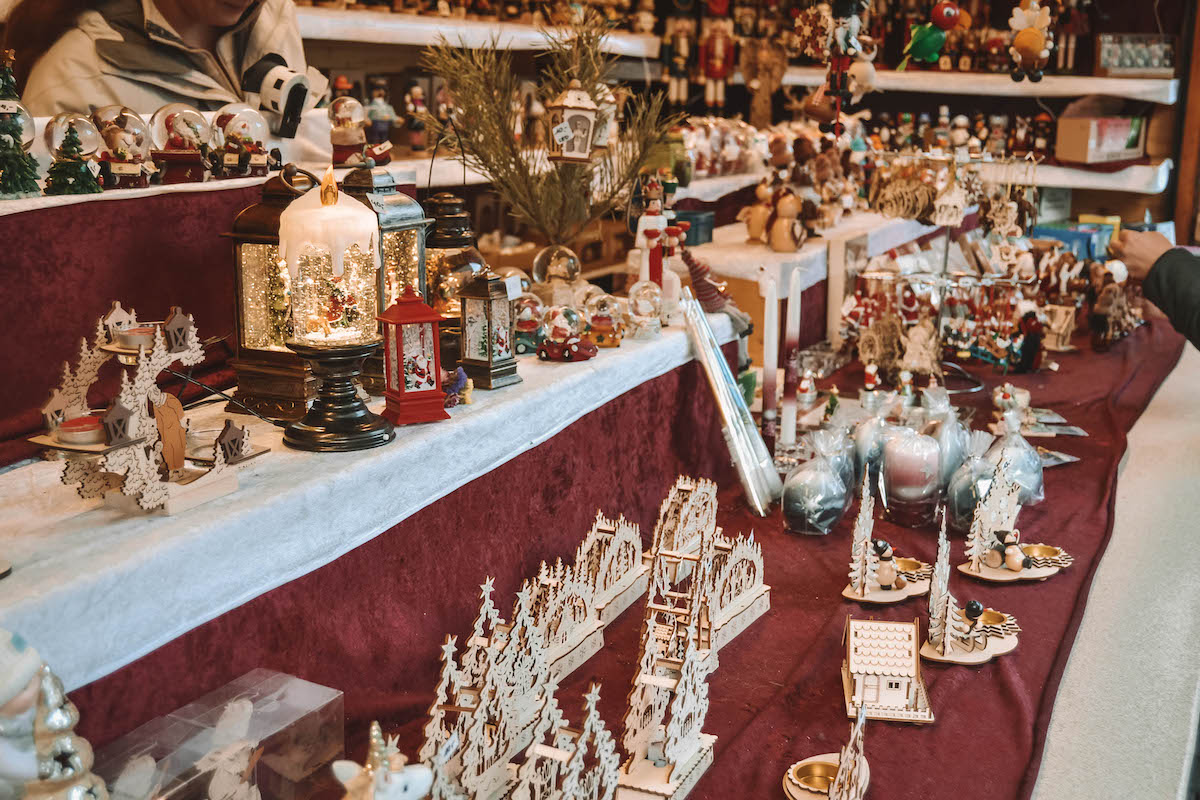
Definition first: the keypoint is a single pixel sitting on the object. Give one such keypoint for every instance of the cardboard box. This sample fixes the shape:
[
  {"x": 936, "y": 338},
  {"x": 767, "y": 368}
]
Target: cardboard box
[{"x": 1098, "y": 140}]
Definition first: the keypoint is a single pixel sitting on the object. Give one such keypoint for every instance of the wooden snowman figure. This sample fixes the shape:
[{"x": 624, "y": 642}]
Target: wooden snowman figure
[
  {"x": 886, "y": 573},
  {"x": 785, "y": 234},
  {"x": 718, "y": 57}
]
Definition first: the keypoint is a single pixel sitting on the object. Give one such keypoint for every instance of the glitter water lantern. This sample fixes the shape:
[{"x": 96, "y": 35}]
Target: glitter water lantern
[
  {"x": 571, "y": 120},
  {"x": 488, "y": 352},
  {"x": 271, "y": 379},
  {"x": 412, "y": 362},
  {"x": 451, "y": 260},
  {"x": 401, "y": 238},
  {"x": 329, "y": 242}
]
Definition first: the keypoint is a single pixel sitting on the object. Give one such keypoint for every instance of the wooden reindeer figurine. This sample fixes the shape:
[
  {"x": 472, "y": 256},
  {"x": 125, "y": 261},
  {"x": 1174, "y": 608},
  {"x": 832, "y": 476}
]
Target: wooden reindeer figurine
[
  {"x": 785, "y": 234},
  {"x": 756, "y": 215}
]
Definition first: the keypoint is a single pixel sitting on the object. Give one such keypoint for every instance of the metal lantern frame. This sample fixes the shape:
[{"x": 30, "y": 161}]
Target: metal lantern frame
[
  {"x": 379, "y": 190},
  {"x": 404, "y": 406},
  {"x": 576, "y": 108},
  {"x": 492, "y": 372},
  {"x": 275, "y": 383}
]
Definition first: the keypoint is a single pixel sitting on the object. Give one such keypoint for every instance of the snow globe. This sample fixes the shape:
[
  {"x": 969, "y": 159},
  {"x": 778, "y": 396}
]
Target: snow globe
[
  {"x": 527, "y": 311},
  {"x": 645, "y": 310},
  {"x": 556, "y": 269},
  {"x": 125, "y": 152},
  {"x": 238, "y": 134},
  {"x": 348, "y": 121},
  {"x": 603, "y": 313},
  {"x": 179, "y": 137},
  {"x": 18, "y": 169},
  {"x": 563, "y": 326},
  {"x": 74, "y": 141}
]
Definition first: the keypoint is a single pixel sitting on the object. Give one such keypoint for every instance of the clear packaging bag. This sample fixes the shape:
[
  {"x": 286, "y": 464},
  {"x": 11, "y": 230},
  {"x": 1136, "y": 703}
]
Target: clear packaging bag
[
  {"x": 970, "y": 482},
  {"x": 951, "y": 435},
  {"x": 834, "y": 443},
  {"x": 911, "y": 477},
  {"x": 817, "y": 493},
  {"x": 1024, "y": 462}
]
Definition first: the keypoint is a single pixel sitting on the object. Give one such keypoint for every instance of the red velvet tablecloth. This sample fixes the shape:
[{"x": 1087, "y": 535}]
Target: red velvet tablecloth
[{"x": 370, "y": 623}]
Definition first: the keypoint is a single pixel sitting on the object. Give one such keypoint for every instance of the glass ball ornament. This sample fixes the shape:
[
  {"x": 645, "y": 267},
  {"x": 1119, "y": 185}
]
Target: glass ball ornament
[
  {"x": 645, "y": 301},
  {"x": 346, "y": 112},
  {"x": 26, "y": 125},
  {"x": 123, "y": 131},
  {"x": 508, "y": 272},
  {"x": 241, "y": 121},
  {"x": 583, "y": 291},
  {"x": 603, "y": 308},
  {"x": 89, "y": 138},
  {"x": 562, "y": 322},
  {"x": 556, "y": 262},
  {"x": 178, "y": 126}
]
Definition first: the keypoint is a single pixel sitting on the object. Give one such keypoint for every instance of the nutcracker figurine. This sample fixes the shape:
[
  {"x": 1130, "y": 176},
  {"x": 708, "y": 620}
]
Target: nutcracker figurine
[
  {"x": 678, "y": 57},
  {"x": 843, "y": 46},
  {"x": 414, "y": 117},
  {"x": 718, "y": 58}
]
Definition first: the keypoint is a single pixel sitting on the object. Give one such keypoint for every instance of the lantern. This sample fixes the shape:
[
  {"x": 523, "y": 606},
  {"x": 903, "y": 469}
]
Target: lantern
[
  {"x": 401, "y": 238},
  {"x": 412, "y": 362},
  {"x": 487, "y": 350},
  {"x": 571, "y": 120},
  {"x": 329, "y": 242},
  {"x": 450, "y": 261},
  {"x": 271, "y": 379}
]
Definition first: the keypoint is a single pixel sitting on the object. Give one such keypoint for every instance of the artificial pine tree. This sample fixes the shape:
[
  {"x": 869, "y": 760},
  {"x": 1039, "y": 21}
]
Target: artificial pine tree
[
  {"x": 18, "y": 169},
  {"x": 70, "y": 172}
]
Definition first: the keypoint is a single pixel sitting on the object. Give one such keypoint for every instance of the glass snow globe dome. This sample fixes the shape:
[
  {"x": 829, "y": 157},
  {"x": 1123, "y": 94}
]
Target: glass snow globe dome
[
  {"x": 24, "y": 130},
  {"x": 556, "y": 262},
  {"x": 241, "y": 121},
  {"x": 123, "y": 131},
  {"x": 645, "y": 301},
  {"x": 56, "y": 130},
  {"x": 178, "y": 126}
]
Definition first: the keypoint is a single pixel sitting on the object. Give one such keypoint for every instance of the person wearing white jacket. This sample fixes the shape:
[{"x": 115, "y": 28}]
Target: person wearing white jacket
[{"x": 146, "y": 53}]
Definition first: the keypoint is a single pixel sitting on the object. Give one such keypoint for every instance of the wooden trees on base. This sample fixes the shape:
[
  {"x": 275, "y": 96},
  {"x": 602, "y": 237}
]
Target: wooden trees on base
[
  {"x": 140, "y": 463},
  {"x": 839, "y": 776},
  {"x": 994, "y": 549},
  {"x": 907, "y": 577}
]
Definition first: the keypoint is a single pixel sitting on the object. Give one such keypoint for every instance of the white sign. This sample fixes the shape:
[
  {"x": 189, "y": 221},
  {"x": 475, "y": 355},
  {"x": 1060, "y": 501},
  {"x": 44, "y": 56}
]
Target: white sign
[
  {"x": 94, "y": 166},
  {"x": 230, "y": 159},
  {"x": 9, "y": 107},
  {"x": 562, "y": 133},
  {"x": 512, "y": 285},
  {"x": 125, "y": 168}
]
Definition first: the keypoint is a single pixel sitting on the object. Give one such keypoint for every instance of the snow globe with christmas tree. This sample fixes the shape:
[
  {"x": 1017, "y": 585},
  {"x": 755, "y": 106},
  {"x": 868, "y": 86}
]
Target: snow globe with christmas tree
[
  {"x": 18, "y": 169},
  {"x": 74, "y": 141}
]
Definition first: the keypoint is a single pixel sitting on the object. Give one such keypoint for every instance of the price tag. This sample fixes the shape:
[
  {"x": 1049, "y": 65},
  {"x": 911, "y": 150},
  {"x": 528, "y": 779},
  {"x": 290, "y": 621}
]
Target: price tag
[
  {"x": 380, "y": 148},
  {"x": 9, "y": 107},
  {"x": 258, "y": 160},
  {"x": 449, "y": 748},
  {"x": 512, "y": 285},
  {"x": 230, "y": 159},
  {"x": 562, "y": 133},
  {"x": 94, "y": 166},
  {"x": 121, "y": 168}
]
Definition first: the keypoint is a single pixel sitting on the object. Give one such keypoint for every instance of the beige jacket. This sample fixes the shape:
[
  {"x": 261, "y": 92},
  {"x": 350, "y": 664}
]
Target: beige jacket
[{"x": 125, "y": 52}]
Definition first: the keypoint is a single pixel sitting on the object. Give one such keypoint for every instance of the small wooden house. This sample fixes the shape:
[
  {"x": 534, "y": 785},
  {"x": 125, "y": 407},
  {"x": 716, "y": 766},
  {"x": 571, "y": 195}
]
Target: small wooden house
[{"x": 882, "y": 670}]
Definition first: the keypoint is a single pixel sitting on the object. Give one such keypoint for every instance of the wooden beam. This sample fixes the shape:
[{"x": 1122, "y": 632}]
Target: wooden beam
[{"x": 1189, "y": 153}]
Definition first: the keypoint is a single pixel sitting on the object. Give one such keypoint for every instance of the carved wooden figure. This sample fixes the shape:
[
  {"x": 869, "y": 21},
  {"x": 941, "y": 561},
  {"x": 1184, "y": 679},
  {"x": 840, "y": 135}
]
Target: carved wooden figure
[{"x": 876, "y": 576}]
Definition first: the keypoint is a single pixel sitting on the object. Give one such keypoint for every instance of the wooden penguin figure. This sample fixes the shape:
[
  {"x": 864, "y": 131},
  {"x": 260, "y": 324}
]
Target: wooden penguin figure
[
  {"x": 886, "y": 573},
  {"x": 755, "y": 216},
  {"x": 973, "y": 611},
  {"x": 785, "y": 234},
  {"x": 1014, "y": 557}
]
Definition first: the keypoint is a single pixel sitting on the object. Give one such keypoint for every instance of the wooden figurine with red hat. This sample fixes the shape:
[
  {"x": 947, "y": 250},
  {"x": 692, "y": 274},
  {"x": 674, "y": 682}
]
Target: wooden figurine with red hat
[{"x": 412, "y": 361}]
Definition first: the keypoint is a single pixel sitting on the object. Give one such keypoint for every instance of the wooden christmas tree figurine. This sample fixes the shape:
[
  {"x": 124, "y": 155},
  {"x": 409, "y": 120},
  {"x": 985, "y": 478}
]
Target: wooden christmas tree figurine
[
  {"x": 71, "y": 173},
  {"x": 18, "y": 169},
  {"x": 876, "y": 576},
  {"x": 837, "y": 776},
  {"x": 994, "y": 548},
  {"x": 971, "y": 635}
]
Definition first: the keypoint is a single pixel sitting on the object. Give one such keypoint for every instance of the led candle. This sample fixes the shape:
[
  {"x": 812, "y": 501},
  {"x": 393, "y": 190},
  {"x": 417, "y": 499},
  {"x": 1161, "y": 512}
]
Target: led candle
[
  {"x": 770, "y": 359},
  {"x": 791, "y": 361}
]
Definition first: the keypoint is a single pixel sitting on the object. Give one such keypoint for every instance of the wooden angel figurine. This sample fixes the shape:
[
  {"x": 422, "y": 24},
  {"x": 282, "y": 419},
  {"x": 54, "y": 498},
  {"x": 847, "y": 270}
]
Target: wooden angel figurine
[
  {"x": 785, "y": 234},
  {"x": 756, "y": 215}
]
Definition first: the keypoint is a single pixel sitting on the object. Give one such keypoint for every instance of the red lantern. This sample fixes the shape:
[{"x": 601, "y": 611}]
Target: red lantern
[{"x": 412, "y": 362}]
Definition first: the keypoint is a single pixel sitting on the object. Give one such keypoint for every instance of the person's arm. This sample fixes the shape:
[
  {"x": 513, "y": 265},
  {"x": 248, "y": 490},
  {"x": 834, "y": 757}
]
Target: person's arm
[{"x": 1173, "y": 284}]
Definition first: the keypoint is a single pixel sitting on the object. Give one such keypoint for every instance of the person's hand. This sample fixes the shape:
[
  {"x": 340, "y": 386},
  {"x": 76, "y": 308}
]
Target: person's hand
[{"x": 1139, "y": 250}]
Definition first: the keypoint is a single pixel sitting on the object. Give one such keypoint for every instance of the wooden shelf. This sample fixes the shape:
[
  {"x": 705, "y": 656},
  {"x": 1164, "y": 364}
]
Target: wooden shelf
[
  {"x": 1150, "y": 178},
  {"x": 375, "y": 27},
  {"x": 1153, "y": 90}
]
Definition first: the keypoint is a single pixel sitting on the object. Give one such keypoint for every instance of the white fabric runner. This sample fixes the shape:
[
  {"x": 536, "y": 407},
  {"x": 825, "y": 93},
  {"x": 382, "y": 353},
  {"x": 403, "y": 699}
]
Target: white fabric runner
[{"x": 96, "y": 590}]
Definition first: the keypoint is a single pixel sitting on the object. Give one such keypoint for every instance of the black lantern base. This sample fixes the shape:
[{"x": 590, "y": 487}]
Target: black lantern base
[{"x": 338, "y": 421}]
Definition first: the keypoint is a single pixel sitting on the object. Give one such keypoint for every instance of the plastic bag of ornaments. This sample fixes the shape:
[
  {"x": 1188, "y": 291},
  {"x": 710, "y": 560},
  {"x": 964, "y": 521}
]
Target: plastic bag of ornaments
[
  {"x": 951, "y": 435},
  {"x": 1025, "y": 462},
  {"x": 970, "y": 482},
  {"x": 817, "y": 493}
]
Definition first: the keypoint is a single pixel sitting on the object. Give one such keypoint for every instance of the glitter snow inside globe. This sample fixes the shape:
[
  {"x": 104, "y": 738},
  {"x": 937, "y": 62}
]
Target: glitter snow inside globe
[
  {"x": 603, "y": 314},
  {"x": 645, "y": 310}
]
